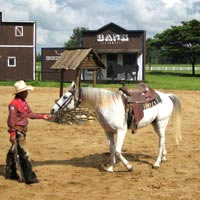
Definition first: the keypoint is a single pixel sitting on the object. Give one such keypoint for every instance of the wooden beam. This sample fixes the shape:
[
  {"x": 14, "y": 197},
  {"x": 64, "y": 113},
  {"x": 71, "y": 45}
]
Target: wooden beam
[
  {"x": 61, "y": 81},
  {"x": 78, "y": 77},
  {"x": 94, "y": 78}
]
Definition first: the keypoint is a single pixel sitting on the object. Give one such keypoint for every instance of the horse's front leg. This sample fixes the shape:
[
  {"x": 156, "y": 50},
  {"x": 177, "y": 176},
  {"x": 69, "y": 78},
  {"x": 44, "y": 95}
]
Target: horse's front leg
[
  {"x": 110, "y": 137},
  {"x": 113, "y": 77},
  {"x": 120, "y": 140},
  {"x": 126, "y": 75},
  {"x": 133, "y": 76}
]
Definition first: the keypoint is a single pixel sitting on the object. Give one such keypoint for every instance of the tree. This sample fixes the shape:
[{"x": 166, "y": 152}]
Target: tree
[
  {"x": 152, "y": 52},
  {"x": 180, "y": 42},
  {"x": 75, "y": 40},
  {"x": 38, "y": 57}
]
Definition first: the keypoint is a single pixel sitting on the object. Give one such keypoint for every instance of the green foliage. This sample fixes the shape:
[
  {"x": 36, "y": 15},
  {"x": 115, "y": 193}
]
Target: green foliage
[
  {"x": 38, "y": 66},
  {"x": 38, "y": 57},
  {"x": 180, "y": 42},
  {"x": 152, "y": 53},
  {"x": 75, "y": 40}
]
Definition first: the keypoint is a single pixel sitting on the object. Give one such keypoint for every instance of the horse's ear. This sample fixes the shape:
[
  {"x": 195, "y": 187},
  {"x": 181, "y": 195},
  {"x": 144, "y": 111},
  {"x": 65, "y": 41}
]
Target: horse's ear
[{"x": 73, "y": 85}]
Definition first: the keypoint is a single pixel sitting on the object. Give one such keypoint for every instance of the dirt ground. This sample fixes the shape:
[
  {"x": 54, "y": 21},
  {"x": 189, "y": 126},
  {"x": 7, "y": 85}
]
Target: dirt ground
[{"x": 67, "y": 158}]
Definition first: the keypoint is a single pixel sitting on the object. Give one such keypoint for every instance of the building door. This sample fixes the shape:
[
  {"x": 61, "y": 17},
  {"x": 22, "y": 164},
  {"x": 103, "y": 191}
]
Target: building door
[
  {"x": 110, "y": 58},
  {"x": 129, "y": 59}
]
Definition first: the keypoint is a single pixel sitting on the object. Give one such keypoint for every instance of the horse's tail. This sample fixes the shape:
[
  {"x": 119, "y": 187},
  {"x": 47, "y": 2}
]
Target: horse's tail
[{"x": 177, "y": 116}]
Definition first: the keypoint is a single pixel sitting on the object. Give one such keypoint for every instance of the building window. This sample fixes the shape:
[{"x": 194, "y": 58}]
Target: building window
[
  {"x": 19, "y": 31},
  {"x": 12, "y": 61}
]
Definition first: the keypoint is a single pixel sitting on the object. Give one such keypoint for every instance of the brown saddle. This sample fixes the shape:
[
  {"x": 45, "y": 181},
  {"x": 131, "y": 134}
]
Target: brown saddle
[
  {"x": 136, "y": 100},
  {"x": 142, "y": 94}
]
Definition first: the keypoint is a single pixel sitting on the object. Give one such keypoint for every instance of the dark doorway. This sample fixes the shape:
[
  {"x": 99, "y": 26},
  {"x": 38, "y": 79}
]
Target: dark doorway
[
  {"x": 129, "y": 59},
  {"x": 110, "y": 58}
]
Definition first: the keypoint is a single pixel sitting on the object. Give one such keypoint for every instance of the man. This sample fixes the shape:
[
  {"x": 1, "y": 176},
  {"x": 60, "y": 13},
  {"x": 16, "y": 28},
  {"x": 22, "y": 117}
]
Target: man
[{"x": 19, "y": 112}]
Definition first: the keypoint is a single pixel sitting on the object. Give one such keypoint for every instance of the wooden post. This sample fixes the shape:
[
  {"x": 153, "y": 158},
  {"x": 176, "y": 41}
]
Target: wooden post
[
  {"x": 78, "y": 74},
  {"x": 61, "y": 81},
  {"x": 94, "y": 78}
]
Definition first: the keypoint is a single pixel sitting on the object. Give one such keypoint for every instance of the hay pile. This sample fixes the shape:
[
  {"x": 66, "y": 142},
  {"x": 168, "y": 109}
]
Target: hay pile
[{"x": 77, "y": 116}]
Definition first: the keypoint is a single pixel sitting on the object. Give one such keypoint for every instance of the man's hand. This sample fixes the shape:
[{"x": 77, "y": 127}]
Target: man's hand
[
  {"x": 12, "y": 138},
  {"x": 46, "y": 116}
]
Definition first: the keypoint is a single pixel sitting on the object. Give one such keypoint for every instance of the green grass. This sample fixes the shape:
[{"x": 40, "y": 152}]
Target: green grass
[
  {"x": 173, "y": 80},
  {"x": 181, "y": 80},
  {"x": 35, "y": 83},
  {"x": 38, "y": 66}
]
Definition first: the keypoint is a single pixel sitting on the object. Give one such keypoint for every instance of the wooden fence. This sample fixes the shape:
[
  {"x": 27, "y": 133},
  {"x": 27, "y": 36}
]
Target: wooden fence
[{"x": 172, "y": 68}]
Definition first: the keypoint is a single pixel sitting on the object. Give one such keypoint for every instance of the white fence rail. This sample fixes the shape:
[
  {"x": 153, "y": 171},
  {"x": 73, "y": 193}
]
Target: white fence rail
[{"x": 172, "y": 68}]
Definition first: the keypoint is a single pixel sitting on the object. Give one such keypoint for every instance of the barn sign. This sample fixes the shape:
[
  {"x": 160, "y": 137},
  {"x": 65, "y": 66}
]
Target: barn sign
[
  {"x": 52, "y": 57},
  {"x": 112, "y": 38}
]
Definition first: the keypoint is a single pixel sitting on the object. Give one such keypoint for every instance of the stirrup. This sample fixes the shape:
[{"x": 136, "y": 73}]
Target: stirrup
[{"x": 134, "y": 128}]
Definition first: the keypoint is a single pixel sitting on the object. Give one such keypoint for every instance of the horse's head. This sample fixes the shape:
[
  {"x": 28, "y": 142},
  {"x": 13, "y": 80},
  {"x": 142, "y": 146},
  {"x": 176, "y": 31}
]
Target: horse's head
[{"x": 68, "y": 100}]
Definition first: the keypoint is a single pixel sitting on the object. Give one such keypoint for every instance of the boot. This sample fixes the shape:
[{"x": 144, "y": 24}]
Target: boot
[{"x": 11, "y": 170}]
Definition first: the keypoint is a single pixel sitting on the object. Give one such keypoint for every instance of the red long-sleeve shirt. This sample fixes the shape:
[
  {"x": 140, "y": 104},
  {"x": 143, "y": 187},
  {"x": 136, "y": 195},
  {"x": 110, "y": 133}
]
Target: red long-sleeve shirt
[{"x": 19, "y": 112}]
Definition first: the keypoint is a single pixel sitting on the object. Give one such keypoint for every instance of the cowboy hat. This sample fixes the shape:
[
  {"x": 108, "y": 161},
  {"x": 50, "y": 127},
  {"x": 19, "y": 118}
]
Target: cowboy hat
[{"x": 20, "y": 86}]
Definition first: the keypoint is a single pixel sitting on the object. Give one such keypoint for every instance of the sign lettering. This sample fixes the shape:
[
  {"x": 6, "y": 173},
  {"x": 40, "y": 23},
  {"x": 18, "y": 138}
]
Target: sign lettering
[
  {"x": 112, "y": 38},
  {"x": 52, "y": 57}
]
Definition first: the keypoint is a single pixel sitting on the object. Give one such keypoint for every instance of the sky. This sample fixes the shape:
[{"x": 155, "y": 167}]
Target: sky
[{"x": 56, "y": 19}]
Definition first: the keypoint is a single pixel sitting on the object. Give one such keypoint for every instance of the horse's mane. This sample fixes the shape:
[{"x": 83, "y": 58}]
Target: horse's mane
[{"x": 98, "y": 97}]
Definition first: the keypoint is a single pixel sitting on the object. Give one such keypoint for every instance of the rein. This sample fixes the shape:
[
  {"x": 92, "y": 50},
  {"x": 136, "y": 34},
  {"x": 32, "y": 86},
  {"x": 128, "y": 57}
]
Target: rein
[{"x": 68, "y": 100}]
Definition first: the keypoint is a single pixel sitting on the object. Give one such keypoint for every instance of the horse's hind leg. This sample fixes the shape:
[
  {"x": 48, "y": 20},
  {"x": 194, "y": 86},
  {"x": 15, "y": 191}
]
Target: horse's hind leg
[
  {"x": 110, "y": 137},
  {"x": 160, "y": 127},
  {"x": 120, "y": 140}
]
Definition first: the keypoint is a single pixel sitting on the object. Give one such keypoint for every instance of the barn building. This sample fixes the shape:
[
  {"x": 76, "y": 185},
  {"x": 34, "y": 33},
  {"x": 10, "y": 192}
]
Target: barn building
[
  {"x": 48, "y": 57},
  {"x": 116, "y": 44},
  {"x": 17, "y": 49},
  {"x": 113, "y": 44}
]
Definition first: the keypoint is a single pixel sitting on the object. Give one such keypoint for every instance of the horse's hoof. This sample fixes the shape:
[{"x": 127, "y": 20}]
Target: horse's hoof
[
  {"x": 130, "y": 168},
  {"x": 155, "y": 167},
  {"x": 107, "y": 168},
  {"x": 164, "y": 159},
  {"x": 110, "y": 170}
]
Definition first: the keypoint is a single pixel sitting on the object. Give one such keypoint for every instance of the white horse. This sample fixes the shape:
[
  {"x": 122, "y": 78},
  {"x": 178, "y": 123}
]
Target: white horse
[{"x": 111, "y": 114}]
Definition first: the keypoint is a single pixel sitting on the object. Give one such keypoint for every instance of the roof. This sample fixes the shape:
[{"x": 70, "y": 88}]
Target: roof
[
  {"x": 76, "y": 58},
  {"x": 2, "y": 19},
  {"x": 111, "y": 24}
]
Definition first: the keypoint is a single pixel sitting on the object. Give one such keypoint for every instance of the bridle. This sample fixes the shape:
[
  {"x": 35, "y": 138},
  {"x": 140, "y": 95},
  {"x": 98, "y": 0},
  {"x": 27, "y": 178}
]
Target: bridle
[{"x": 69, "y": 99}]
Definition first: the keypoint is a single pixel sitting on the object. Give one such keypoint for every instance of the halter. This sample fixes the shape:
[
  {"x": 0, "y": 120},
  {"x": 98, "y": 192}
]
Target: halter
[{"x": 68, "y": 100}]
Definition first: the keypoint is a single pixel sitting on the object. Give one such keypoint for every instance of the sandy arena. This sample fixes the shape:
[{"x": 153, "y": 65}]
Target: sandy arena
[{"x": 67, "y": 158}]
